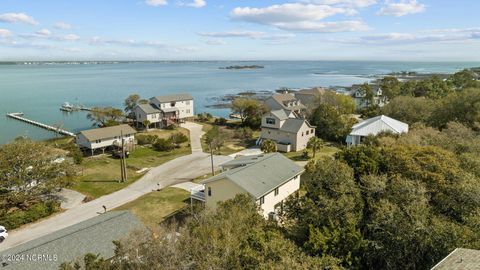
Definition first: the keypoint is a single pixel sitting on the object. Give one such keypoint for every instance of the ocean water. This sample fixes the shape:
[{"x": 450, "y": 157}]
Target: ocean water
[{"x": 39, "y": 90}]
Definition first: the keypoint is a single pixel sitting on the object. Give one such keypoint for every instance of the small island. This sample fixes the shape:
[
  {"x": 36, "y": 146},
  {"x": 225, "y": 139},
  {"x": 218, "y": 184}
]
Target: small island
[{"x": 243, "y": 67}]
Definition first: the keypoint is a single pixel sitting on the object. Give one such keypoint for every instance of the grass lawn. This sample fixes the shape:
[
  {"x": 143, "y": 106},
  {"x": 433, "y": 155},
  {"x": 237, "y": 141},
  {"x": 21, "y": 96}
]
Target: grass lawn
[
  {"x": 164, "y": 133},
  {"x": 231, "y": 145},
  {"x": 326, "y": 151},
  {"x": 100, "y": 174},
  {"x": 154, "y": 207}
]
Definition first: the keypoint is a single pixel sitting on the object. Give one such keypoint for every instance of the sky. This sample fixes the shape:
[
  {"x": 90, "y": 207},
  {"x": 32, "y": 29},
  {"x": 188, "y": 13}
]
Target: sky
[{"x": 385, "y": 30}]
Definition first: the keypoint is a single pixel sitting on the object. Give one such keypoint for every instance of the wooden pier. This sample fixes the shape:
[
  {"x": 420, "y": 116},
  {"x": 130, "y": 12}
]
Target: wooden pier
[{"x": 19, "y": 116}]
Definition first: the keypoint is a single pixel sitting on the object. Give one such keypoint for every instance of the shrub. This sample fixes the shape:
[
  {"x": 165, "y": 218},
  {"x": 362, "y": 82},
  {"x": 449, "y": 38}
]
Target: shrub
[
  {"x": 146, "y": 139},
  {"x": 171, "y": 127},
  {"x": 164, "y": 145},
  {"x": 245, "y": 133},
  {"x": 35, "y": 212},
  {"x": 178, "y": 138},
  {"x": 220, "y": 121}
]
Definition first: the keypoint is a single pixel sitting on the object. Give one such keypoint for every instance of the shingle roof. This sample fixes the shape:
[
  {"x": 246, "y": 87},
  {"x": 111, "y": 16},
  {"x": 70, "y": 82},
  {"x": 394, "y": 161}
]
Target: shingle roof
[
  {"x": 312, "y": 91},
  {"x": 94, "y": 235},
  {"x": 376, "y": 125},
  {"x": 280, "y": 114},
  {"x": 263, "y": 176},
  {"x": 244, "y": 160},
  {"x": 148, "y": 108},
  {"x": 174, "y": 97},
  {"x": 460, "y": 259},
  {"x": 293, "y": 125},
  {"x": 107, "y": 132}
]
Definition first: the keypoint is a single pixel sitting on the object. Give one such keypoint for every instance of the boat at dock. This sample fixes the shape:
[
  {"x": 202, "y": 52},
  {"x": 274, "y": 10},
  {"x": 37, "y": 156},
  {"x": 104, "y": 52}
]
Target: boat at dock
[{"x": 67, "y": 107}]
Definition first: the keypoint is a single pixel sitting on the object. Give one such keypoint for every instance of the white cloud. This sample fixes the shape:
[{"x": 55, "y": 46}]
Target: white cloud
[
  {"x": 303, "y": 17},
  {"x": 216, "y": 42},
  {"x": 63, "y": 25},
  {"x": 194, "y": 3},
  {"x": 348, "y": 3},
  {"x": 5, "y": 33},
  {"x": 402, "y": 8},
  {"x": 43, "y": 33},
  {"x": 17, "y": 18},
  {"x": 230, "y": 34},
  {"x": 70, "y": 37},
  {"x": 156, "y": 3},
  {"x": 425, "y": 36}
]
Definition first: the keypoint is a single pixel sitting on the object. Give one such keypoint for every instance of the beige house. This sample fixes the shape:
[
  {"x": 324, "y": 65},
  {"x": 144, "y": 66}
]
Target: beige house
[
  {"x": 286, "y": 102},
  {"x": 108, "y": 137},
  {"x": 162, "y": 111},
  {"x": 268, "y": 178},
  {"x": 289, "y": 132},
  {"x": 310, "y": 97}
]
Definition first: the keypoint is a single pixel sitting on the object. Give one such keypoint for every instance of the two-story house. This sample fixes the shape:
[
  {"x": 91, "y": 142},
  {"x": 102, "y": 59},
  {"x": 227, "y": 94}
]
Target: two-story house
[
  {"x": 286, "y": 102},
  {"x": 268, "y": 178},
  {"x": 162, "y": 111},
  {"x": 107, "y": 137},
  {"x": 361, "y": 100},
  {"x": 289, "y": 132}
]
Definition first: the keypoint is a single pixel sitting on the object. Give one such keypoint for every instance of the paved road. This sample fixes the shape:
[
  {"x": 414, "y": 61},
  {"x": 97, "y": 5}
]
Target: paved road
[{"x": 176, "y": 171}]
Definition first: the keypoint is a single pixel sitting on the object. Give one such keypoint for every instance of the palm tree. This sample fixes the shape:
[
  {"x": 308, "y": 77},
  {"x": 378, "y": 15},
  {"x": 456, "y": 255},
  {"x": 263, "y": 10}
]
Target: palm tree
[
  {"x": 315, "y": 144},
  {"x": 268, "y": 146}
]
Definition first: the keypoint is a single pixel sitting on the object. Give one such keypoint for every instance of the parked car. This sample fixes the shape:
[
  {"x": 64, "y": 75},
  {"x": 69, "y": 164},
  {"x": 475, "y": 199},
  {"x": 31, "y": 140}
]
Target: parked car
[{"x": 3, "y": 234}]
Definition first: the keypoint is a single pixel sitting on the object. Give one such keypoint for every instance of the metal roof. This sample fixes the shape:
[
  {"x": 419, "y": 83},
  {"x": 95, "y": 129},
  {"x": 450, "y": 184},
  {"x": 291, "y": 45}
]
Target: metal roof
[
  {"x": 174, "y": 97},
  {"x": 263, "y": 176},
  {"x": 376, "y": 125},
  {"x": 148, "y": 108},
  {"x": 94, "y": 235},
  {"x": 460, "y": 259},
  {"x": 244, "y": 160},
  {"x": 107, "y": 132}
]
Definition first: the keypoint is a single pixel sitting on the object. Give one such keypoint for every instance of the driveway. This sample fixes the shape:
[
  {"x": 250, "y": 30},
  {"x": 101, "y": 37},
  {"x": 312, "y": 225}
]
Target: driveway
[{"x": 182, "y": 169}]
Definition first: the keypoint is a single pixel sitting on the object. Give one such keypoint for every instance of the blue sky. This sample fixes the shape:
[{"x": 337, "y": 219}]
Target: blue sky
[{"x": 410, "y": 30}]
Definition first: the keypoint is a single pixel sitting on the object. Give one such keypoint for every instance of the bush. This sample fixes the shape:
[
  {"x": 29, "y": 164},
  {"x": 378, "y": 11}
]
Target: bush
[
  {"x": 220, "y": 121},
  {"x": 18, "y": 218},
  {"x": 146, "y": 139},
  {"x": 164, "y": 145},
  {"x": 245, "y": 133},
  {"x": 204, "y": 117},
  {"x": 178, "y": 138},
  {"x": 171, "y": 127}
]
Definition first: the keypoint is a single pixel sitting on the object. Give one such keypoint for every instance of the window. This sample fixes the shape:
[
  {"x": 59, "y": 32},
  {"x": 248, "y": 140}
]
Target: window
[
  {"x": 98, "y": 141},
  {"x": 308, "y": 132},
  {"x": 172, "y": 104},
  {"x": 313, "y": 130},
  {"x": 262, "y": 200},
  {"x": 270, "y": 121},
  {"x": 188, "y": 111},
  {"x": 163, "y": 105},
  {"x": 302, "y": 134},
  {"x": 187, "y": 102},
  {"x": 276, "y": 191},
  {"x": 209, "y": 191}
]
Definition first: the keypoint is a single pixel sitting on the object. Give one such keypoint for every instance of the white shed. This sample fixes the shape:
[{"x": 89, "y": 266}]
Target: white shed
[{"x": 375, "y": 126}]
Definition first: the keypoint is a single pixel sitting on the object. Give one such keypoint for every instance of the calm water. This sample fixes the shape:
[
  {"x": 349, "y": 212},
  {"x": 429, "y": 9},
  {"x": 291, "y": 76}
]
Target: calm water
[{"x": 39, "y": 90}]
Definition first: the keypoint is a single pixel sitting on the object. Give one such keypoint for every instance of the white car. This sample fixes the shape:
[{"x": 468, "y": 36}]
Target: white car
[{"x": 3, "y": 233}]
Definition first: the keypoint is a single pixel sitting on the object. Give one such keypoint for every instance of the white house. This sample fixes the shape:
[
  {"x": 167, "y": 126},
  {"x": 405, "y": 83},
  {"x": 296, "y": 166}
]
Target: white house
[
  {"x": 165, "y": 110},
  {"x": 289, "y": 132},
  {"x": 375, "y": 126},
  {"x": 268, "y": 179},
  {"x": 103, "y": 138}
]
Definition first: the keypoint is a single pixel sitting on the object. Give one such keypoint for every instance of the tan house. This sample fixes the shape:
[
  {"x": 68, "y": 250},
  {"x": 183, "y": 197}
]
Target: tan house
[
  {"x": 286, "y": 102},
  {"x": 268, "y": 178},
  {"x": 107, "y": 137},
  {"x": 310, "y": 97},
  {"x": 289, "y": 132}
]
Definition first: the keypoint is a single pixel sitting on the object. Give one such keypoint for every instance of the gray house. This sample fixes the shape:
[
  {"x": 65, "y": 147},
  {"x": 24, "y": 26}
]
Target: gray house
[
  {"x": 94, "y": 236},
  {"x": 286, "y": 102}
]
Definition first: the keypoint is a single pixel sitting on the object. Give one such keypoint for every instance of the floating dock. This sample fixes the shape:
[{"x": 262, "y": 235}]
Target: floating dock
[{"x": 19, "y": 116}]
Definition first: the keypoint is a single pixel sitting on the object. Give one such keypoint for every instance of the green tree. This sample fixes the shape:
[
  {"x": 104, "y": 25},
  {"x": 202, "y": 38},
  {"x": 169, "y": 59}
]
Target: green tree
[
  {"x": 162, "y": 144},
  {"x": 410, "y": 109},
  {"x": 464, "y": 79},
  {"x": 331, "y": 125},
  {"x": 146, "y": 124},
  {"x": 268, "y": 146},
  {"x": 105, "y": 117},
  {"x": 215, "y": 138},
  {"x": 249, "y": 110},
  {"x": 390, "y": 86},
  {"x": 130, "y": 103},
  {"x": 315, "y": 144},
  {"x": 463, "y": 107},
  {"x": 178, "y": 138},
  {"x": 368, "y": 94}
]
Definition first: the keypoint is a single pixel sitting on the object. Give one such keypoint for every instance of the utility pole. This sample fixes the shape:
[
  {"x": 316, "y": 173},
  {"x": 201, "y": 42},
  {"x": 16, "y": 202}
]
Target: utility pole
[
  {"x": 121, "y": 160},
  {"x": 124, "y": 162},
  {"x": 211, "y": 158}
]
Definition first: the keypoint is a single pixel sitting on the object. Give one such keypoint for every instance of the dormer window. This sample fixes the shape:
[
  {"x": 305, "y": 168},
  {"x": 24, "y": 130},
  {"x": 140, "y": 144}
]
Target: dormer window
[
  {"x": 172, "y": 104},
  {"x": 270, "y": 121}
]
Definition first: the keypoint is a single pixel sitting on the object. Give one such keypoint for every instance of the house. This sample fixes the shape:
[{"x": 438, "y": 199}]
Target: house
[
  {"x": 375, "y": 126},
  {"x": 268, "y": 178},
  {"x": 162, "y": 111},
  {"x": 460, "y": 259},
  {"x": 107, "y": 137},
  {"x": 286, "y": 102},
  {"x": 95, "y": 235},
  {"x": 362, "y": 102},
  {"x": 309, "y": 97},
  {"x": 289, "y": 132}
]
